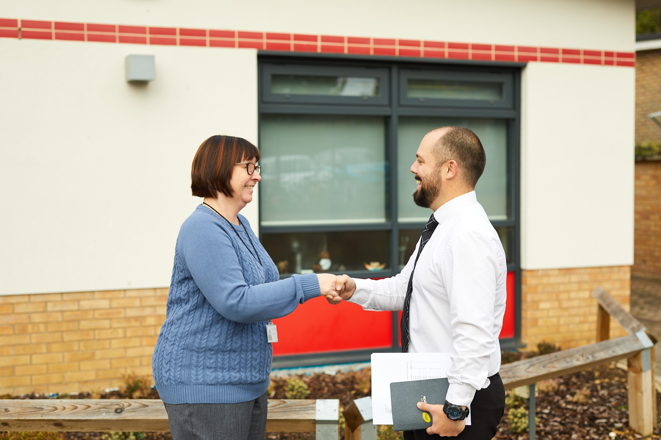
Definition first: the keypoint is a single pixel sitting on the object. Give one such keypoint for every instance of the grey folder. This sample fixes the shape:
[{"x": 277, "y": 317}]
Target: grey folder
[{"x": 404, "y": 397}]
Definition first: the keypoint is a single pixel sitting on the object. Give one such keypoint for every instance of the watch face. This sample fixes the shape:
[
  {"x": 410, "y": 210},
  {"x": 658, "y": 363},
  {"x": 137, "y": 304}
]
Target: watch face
[{"x": 454, "y": 413}]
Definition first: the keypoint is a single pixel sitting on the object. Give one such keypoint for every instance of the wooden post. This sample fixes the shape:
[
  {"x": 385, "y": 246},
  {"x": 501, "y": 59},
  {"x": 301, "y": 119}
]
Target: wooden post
[
  {"x": 358, "y": 420},
  {"x": 641, "y": 393},
  {"x": 652, "y": 370},
  {"x": 603, "y": 324}
]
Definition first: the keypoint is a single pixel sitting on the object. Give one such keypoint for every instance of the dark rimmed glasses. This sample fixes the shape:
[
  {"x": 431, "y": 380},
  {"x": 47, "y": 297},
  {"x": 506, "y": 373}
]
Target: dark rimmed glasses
[{"x": 251, "y": 167}]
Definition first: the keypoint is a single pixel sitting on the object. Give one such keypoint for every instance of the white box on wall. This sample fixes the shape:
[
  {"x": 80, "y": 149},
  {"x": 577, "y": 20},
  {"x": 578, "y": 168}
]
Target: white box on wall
[{"x": 140, "y": 68}]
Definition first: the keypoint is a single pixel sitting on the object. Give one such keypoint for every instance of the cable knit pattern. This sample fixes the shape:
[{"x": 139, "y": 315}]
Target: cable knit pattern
[{"x": 212, "y": 347}]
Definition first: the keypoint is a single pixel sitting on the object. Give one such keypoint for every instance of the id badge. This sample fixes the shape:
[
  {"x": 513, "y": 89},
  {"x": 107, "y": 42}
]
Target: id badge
[{"x": 271, "y": 332}]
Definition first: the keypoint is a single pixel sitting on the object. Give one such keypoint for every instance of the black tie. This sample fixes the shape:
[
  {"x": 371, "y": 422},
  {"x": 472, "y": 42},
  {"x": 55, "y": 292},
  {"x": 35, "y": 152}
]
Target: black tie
[{"x": 426, "y": 235}]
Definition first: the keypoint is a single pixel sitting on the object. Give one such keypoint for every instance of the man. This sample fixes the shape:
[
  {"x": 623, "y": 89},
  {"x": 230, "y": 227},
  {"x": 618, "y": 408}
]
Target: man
[{"x": 452, "y": 292}]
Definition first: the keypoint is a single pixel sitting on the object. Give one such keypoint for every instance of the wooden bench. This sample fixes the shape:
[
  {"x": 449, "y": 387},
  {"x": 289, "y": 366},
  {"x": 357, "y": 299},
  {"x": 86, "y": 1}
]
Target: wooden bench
[{"x": 141, "y": 415}]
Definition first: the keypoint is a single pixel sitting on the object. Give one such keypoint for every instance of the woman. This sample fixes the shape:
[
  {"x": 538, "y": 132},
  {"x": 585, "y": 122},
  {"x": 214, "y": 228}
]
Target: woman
[{"x": 212, "y": 359}]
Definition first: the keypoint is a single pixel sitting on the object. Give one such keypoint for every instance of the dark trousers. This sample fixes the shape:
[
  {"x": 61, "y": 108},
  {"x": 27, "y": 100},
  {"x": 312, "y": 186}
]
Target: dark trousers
[
  {"x": 486, "y": 410},
  {"x": 218, "y": 421}
]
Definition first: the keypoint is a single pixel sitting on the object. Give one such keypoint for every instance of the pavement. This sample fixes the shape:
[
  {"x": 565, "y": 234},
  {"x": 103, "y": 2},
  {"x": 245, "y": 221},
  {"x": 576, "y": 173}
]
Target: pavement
[{"x": 646, "y": 307}]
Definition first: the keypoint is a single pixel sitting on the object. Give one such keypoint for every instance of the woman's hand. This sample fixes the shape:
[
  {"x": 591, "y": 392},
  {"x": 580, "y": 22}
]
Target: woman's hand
[
  {"x": 327, "y": 285},
  {"x": 345, "y": 286}
]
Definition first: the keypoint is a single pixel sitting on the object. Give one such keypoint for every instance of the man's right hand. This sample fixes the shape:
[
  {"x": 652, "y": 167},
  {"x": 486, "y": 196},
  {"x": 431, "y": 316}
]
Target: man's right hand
[{"x": 345, "y": 287}]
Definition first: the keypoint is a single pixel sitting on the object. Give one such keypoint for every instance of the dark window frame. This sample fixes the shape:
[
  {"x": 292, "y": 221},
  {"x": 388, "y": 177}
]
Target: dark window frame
[{"x": 510, "y": 109}]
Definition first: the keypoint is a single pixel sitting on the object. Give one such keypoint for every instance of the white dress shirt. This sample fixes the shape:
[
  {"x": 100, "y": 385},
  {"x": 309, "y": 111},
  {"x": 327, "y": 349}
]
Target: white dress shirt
[{"x": 459, "y": 293}]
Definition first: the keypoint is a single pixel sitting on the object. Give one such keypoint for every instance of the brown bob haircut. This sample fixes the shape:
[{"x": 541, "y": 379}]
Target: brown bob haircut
[{"x": 214, "y": 163}]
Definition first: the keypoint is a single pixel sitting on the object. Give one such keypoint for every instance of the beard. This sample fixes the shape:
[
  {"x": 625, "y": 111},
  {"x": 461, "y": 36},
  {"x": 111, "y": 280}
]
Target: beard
[{"x": 429, "y": 190}]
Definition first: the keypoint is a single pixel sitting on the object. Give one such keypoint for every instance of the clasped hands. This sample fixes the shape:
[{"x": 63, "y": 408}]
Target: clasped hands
[{"x": 336, "y": 288}]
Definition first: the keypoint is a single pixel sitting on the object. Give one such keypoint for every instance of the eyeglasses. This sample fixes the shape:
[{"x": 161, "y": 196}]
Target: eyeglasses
[{"x": 251, "y": 167}]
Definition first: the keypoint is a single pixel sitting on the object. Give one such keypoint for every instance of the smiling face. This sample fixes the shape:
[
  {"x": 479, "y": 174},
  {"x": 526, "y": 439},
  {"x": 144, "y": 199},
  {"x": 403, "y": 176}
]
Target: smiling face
[
  {"x": 242, "y": 183},
  {"x": 427, "y": 172}
]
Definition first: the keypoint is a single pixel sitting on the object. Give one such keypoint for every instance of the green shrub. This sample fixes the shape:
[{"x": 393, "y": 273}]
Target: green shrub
[
  {"x": 517, "y": 420},
  {"x": 135, "y": 387},
  {"x": 296, "y": 389},
  {"x": 386, "y": 432},
  {"x": 547, "y": 348},
  {"x": 648, "y": 21},
  {"x": 513, "y": 400},
  {"x": 648, "y": 148}
]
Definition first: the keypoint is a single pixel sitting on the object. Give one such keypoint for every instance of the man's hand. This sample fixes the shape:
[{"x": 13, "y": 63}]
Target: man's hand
[
  {"x": 441, "y": 425},
  {"x": 346, "y": 286},
  {"x": 327, "y": 286}
]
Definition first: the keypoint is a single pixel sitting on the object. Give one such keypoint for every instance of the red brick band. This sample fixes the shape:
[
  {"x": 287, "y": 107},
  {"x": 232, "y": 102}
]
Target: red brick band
[{"x": 110, "y": 33}]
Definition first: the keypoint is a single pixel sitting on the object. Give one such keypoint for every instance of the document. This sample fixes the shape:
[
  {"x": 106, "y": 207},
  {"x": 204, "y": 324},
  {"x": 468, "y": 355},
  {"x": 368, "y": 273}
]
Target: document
[{"x": 402, "y": 367}]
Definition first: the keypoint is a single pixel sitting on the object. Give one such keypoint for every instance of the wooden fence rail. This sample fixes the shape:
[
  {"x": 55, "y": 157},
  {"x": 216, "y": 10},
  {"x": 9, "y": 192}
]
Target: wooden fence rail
[
  {"x": 637, "y": 348},
  {"x": 143, "y": 415}
]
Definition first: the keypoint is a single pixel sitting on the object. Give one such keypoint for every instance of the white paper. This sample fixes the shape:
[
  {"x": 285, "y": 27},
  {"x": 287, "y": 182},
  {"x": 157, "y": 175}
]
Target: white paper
[{"x": 402, "y": 367}]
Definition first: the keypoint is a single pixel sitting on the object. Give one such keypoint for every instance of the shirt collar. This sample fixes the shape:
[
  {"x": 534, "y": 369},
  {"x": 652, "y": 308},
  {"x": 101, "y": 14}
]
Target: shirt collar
[{"x": 454, "y": 206}]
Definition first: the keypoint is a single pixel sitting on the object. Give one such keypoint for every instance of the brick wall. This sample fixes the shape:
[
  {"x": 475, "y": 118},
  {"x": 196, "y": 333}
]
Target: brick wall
[
  {"x": 647, "y": 229},
  {"x": 70, "y": 342},
  {"x": 648, "y": 94},
  {"x": 557, "y": 304}
]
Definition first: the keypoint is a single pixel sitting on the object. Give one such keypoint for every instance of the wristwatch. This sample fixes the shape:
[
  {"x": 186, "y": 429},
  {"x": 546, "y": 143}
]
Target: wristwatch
[{"x": 455, "y": 412}]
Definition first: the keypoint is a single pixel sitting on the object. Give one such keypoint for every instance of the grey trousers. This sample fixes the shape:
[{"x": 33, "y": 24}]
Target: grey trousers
[{"x": 218, "y": 421}]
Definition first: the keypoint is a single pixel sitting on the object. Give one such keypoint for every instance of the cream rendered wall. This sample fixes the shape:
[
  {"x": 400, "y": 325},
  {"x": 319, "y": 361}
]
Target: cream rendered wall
[
  {"x": 577, "y": 167},
  {"x": 94, "y": 172},
  {"x": 583, "y": 24}
]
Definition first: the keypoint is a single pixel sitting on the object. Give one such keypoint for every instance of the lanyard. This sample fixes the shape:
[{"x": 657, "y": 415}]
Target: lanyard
[{"x": 255, "y": 255}]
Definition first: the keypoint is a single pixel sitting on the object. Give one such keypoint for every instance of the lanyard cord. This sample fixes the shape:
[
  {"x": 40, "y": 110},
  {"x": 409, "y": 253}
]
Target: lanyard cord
[{"x": 255, "y": 255}]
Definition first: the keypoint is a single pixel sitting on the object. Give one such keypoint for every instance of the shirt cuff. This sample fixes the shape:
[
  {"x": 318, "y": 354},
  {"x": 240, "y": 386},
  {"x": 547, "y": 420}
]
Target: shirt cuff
[
  {"x": 362, "y": 293},
  {"x": 460, "y": 394},
  {"x": 309, "y": 285}
]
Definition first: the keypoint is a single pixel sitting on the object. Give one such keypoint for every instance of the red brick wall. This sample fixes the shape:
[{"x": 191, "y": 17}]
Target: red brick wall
[
  {"x": 70, "y": 342},
  {"x": 557, "y": 304},
  {"x": 648, "y": 94},
  {"x": 647, "y": 229}
]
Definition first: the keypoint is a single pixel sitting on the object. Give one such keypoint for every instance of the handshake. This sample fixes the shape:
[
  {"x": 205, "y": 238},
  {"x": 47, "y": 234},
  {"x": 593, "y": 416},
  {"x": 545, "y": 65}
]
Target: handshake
[{"x": 336, "y": 288}]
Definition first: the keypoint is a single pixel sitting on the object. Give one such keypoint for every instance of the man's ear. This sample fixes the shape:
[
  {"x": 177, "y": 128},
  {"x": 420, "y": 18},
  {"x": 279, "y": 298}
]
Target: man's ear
[{"x": 450, "y": 169}]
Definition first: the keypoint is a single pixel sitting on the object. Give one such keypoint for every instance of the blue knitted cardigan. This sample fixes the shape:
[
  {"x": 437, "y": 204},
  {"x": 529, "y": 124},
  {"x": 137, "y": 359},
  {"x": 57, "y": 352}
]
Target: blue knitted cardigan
[{"x": 212, "y": 347}]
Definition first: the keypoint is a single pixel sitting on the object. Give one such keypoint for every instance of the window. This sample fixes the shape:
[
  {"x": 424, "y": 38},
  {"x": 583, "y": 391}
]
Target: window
[
  {"x": 338, "y": 140},
  {"x": 324, "y": 84}
]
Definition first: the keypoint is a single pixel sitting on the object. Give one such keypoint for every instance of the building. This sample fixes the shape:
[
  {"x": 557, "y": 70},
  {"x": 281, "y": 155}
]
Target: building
[
  {"x": 94, "y": 169},
  {"x": 647, "y": 236}
]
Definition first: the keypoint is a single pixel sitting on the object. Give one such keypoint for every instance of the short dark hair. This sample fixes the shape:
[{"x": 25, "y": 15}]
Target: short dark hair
[
  {"x": 214, "y": 163},
  {"x": 462, "y": 145}
]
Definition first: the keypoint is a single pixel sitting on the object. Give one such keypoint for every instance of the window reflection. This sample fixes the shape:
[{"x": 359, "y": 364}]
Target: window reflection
[
  {"x": 324, "y": 85},
  {"x": 317, "y": 166},
  {"x": 443, "y": 89},
  {"x": 328, "y": 251}
]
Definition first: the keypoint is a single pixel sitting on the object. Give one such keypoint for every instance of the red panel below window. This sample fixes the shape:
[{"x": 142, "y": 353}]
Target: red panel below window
[
  {"x": 317, "y": 327},
  {"x": 508, "y": 320}
]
